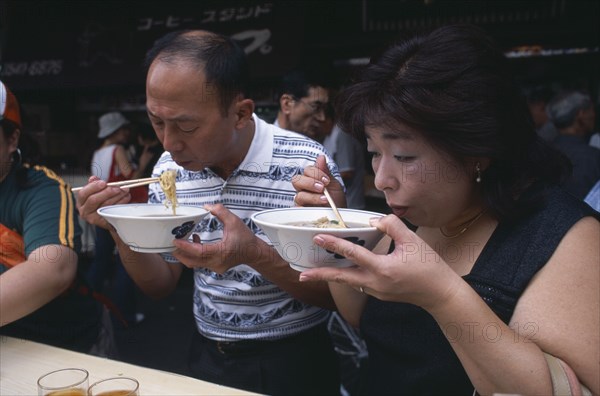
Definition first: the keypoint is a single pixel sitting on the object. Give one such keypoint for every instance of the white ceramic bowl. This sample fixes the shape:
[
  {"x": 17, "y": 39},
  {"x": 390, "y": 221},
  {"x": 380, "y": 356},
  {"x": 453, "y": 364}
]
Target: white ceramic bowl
[
  {"x": 295, "y": 244},
  {"x": 151, "y": 228}
]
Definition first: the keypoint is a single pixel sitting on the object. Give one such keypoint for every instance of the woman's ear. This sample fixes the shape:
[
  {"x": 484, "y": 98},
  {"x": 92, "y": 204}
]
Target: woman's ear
[
  {"x": 485, "y": 162},
  {"x": 475, "y": 166},
  {"x": 482, "y": 162},
  {"x": 244, "y": 108}
]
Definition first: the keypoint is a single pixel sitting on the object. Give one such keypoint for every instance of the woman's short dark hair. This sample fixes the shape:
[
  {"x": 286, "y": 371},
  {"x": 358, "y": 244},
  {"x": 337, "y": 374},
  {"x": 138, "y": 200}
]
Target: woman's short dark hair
[
  {"x": 455, "y": 88},
  {"x": 221, "y": 59}
]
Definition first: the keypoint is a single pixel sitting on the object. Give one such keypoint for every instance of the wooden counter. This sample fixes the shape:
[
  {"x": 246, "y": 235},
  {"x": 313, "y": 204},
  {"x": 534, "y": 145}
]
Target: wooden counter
[{"x": 23, "y": 362}]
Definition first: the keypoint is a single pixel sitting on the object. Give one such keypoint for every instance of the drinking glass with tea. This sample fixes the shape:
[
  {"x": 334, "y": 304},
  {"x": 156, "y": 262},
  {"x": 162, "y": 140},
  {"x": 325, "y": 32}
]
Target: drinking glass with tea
[
  {"x": 64, "y": 382},
  {"x": 116, "y": 386}
]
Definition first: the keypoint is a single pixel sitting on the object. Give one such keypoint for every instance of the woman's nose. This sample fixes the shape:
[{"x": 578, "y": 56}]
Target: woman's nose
[{"x": 385, "y": 178}]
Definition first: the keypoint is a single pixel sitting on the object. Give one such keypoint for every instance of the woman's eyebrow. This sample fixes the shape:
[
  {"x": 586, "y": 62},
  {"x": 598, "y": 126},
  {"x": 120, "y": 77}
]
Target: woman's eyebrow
[{"x": 395, "y": 135}]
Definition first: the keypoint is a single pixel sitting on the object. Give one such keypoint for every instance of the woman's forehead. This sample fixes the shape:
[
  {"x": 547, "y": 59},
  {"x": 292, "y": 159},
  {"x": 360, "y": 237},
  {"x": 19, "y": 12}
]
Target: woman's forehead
[{"x": 391, "y": 132}]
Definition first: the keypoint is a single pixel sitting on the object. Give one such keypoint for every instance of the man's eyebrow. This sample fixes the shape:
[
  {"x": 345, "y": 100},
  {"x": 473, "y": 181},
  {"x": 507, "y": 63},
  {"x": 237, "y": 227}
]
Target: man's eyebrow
[{"x": 176, "y": 119}]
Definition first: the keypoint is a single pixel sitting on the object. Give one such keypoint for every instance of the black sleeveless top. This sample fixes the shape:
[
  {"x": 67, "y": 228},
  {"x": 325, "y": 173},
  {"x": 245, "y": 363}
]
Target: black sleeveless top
[{"x": 408, "y": 353}]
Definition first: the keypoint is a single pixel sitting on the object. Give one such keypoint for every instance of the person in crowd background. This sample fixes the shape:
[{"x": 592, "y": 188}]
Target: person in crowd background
[
  {"x": 593, "y": 197},
  {"x": 595, "y": 140},
  {"x": 149, "y": 152},
  {"x": 537, "y": 100},
  {"x": 303, "y": 100},
  {"x": 42, "y": 295},
  {"x": 499, "y": 282},
  {"x": 349, "y": 155},
  {"x": 110, "y": 163},
  {"x": 258, "y": 328},
  {"x": 574, "y": 116},
  {"x": 146, "y": 152}
]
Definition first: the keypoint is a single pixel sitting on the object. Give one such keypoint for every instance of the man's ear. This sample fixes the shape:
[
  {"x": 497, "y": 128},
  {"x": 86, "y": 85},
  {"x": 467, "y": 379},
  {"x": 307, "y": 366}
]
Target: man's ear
[
  {"x": 244, "y": 108},
  {"x": 286, "y": 102}
]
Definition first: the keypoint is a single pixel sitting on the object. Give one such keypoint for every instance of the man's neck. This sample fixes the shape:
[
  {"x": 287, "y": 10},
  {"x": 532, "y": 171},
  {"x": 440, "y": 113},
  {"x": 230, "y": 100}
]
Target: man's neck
[
  {"x": 242, "y": 146},
  {"x": 282, "y": 121}
]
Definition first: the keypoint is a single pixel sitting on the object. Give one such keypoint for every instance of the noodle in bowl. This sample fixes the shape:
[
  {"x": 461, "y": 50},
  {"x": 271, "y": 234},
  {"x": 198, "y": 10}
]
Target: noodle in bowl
[
  {"x": 291, "y": 231},
  {"x": 151, "y": 228}
]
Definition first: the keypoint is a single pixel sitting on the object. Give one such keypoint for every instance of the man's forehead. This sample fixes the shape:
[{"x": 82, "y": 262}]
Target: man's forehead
[
  {"x": 168, "y": 81},
  {"x": 318, "y": 94}
]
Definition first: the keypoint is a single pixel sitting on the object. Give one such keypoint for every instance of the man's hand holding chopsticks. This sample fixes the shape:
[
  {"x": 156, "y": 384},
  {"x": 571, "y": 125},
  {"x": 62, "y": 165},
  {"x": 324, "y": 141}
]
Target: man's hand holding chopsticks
[{"x": 97, "y": 194}]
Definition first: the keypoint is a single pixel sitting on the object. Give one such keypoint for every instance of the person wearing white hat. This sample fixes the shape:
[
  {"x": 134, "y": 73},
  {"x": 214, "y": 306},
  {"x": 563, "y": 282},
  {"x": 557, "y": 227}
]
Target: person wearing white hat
[
  {"x": 110, "y": 159},
  {"x": 110, "y": 123},
  {"x": 9, "y": 107},
  {"x": 110, "y": 162},
  {"x": 40, "y": 297}
]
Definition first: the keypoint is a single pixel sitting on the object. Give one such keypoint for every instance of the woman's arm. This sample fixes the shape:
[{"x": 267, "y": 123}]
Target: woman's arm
[
  {"x": 47, "y": 272},
  {"x": 558, "y": 313},
  {"x": 143, "y": 162},
  {"x": 350, "y": 301},
  {"x": 563, "y": 303},
  {"x": 126, "y": 167}
]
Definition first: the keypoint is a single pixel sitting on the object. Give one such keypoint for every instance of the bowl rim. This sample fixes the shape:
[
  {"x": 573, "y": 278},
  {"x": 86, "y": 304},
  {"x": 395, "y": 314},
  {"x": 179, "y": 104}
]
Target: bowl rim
[
  {"x": 320, "y": 230},
  {"x": 149, "y": 218}
]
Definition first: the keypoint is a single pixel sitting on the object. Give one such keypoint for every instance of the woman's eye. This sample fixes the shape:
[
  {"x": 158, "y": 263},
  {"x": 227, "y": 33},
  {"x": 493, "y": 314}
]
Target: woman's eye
[
  {"x": 404, "y": 158},
  {"x": 373, "y": 154}
]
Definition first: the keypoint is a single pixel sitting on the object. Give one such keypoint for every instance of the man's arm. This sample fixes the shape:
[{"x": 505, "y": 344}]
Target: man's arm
[
  {"x": 239, "y": 245},
  {"x": 150, "y": 272}
]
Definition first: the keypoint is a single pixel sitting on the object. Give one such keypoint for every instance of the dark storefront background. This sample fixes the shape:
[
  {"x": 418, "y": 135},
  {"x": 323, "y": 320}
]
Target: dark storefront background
[{"x": 70, "y": 61}]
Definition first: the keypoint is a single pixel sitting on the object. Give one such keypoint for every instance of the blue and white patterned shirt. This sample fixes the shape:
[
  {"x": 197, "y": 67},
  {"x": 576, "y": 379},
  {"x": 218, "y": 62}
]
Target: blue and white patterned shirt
[{"x": 241, "y": 304}]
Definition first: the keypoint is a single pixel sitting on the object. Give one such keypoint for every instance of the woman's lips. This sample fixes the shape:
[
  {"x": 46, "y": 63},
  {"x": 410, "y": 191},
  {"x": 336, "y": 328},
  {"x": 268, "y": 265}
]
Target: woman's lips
[{"x": 399, "y": 211}]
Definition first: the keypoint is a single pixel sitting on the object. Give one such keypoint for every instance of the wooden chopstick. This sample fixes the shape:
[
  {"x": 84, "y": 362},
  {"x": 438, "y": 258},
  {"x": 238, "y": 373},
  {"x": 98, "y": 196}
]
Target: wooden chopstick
[
  {"x": 335, "y": 209},
  {"x": 128, "y": 183}
]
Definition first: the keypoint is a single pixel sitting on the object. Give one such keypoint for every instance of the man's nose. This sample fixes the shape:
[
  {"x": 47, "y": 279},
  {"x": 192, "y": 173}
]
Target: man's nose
[
  {"x": 320, "y": 115},
  {"x": 171, "y": 141}
]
